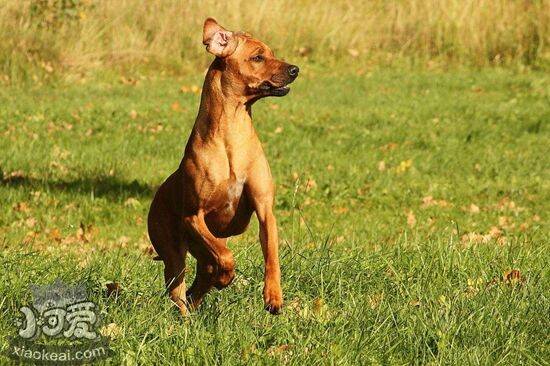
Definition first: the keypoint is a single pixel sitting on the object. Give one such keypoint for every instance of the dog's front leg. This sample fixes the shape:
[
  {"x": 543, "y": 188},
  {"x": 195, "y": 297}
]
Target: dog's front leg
[
  {"x": 215, "y": 262},
  {"x": 273, "y": 295},
  {"x": 260, "y": 191}
]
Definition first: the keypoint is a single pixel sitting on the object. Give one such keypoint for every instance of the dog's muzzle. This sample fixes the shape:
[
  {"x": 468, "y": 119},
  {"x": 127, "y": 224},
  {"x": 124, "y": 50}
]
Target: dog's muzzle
[{"x": 269, "y": 88}]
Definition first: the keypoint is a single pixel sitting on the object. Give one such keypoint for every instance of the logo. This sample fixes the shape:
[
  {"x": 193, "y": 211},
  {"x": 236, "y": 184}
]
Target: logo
[{"x": 59, "y": 327}]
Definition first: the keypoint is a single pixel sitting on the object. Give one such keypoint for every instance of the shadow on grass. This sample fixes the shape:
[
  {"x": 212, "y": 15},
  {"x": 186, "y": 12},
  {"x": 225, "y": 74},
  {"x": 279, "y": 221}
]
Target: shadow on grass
[{"x": 98, "y": 186}]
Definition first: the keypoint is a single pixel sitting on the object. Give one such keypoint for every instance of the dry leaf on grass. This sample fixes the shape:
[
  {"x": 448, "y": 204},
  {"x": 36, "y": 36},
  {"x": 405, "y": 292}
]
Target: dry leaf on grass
[
  {"x": 474, "y": 209},
  {"x": 411, "y": 219},
  {"x": 277, "y": 350},
  {"x": 475, "y": 238},
  {"x": 112, "y": 289},
  {"x": 319, "y": 306},
  {"x": 21, "y": 207},
  {"x": 429, "y": 201},
  {"x": 404, "y": 166},
  {"x": 513, "y": 276},
  {"x": 30, "y": 222},
  {"x": 54, "y": 234},
  {"x": 510, "y": 277},
  {"x": 176, "y": 107},
  {"x": 340, "y": 210},
  {"x": 495, "y": 232},
  {"x": 353, "y": 52},
  {"x": 111, "y": 330},
  {"x": 132, "y": 202},
  {"x": 415, "y": 303},
  {"x": 310, "y": 184}
]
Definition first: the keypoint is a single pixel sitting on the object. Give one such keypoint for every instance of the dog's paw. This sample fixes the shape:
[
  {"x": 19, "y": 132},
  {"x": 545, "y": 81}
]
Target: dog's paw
[{"x": 273, "y": 300}]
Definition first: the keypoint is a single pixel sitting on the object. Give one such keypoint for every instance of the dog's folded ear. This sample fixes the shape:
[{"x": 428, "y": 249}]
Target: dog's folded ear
[{"x": 219, "y": 41}]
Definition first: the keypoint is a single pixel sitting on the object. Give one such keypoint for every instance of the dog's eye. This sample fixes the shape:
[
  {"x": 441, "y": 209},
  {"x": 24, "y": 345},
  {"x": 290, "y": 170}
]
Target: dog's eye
[{"x": 257, "y": 58}]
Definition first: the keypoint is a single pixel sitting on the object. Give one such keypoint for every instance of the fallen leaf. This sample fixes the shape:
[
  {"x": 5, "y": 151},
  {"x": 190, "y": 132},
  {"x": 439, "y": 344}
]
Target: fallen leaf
[
  {"x": 111, "y": 330},
  {"x": 311, "y": 184},
  {"x": 112, "y": 289},
  {"x": 411, "y": 219},
  {"x": 502, "y": 240},
  {"x": 513, "y": 275},
  {"x": 318, "y": 305},
  {"x": 29, "y": 237},
  {"x": 84, "y": 233},
  {"x": 54, "y": 234},
  {"x": 404, "y": 166},
  {"x": 428, "y": 201},
  {"x": 123, "y": 241},
  {"x": 495, "y": 232},
  {"x": 128, "y": 80},
  {"x": 133, "y": 114},
  {"x": 353, "y": 52},
  {"x": 276, "y": 350},
  {"x": 473, "y": 209},
  {"x": 504, "y": 222},
  {"x": 30, "y": 222},
  {"x": 389, "y": 146},
  {"x": 21, "y": 207},
  {"x": 304, "y": 51},
  {"x": 415, "y": 303},
  {"x": 132, "y": 202},
  {"x": 375, "y": 300},
  {"x": 475, "y": 238},
  {"x": 340, "y": 210},
  {"x": 176, "y": 107},
  {"x": 381, "y": 165}
]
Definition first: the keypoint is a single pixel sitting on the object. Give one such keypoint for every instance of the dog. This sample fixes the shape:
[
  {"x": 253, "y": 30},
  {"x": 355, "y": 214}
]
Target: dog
[{"x": 224, "y": 176}]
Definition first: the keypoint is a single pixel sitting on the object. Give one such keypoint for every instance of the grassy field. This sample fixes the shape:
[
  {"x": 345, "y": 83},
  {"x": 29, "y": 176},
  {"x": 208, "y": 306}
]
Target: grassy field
[
  {"x": 63, "y": 38},
  {"x": 413, "y": 211}
]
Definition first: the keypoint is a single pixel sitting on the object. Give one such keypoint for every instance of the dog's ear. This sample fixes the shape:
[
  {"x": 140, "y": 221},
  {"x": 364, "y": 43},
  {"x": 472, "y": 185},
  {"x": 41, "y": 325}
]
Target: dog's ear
[{"x": 219, "y": 41}]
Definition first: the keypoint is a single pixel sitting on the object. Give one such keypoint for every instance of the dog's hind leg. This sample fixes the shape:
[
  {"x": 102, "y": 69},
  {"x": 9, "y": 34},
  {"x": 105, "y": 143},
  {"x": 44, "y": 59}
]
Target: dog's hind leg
[
  {"x": 165, "y": 234},
  {"x": 201, "y": 284}
]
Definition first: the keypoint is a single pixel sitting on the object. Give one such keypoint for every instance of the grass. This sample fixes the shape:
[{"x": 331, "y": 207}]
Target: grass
[
  {"x": 45, "y": 39},
  {"x": 405, "y": 200}
]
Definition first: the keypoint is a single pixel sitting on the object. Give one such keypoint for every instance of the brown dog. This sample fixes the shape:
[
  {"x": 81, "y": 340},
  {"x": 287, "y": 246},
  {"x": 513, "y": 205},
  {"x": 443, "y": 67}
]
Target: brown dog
[{"x": 224, "y": 176}]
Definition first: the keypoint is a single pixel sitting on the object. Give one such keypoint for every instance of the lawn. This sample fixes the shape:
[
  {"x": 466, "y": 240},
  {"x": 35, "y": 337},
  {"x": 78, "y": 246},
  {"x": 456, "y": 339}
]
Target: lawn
[{"x": 412, "y": 209}]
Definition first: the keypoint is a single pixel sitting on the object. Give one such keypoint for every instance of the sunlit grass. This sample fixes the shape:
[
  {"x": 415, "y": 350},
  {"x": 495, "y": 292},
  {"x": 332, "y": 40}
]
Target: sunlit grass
[{"x": 405, "y": 200}]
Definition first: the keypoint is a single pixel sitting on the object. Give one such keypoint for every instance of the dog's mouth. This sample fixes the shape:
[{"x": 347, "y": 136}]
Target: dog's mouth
[{"x": 268, "y": 88}]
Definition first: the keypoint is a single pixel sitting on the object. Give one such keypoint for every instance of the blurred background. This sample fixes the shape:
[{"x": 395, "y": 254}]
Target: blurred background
[{"x": 43, "y": 39}]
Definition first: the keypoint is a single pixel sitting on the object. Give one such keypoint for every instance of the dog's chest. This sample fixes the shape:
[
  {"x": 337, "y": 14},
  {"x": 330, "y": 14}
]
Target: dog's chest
[{"x": 233, "y": 193}]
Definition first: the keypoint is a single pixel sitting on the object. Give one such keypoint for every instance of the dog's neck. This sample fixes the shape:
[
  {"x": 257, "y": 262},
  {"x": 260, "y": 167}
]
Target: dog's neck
[{"x": 220, "y": 111}]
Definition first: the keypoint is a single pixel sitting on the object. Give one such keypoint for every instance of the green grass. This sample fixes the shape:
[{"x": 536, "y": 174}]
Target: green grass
[{"x": 374, "y": 270}]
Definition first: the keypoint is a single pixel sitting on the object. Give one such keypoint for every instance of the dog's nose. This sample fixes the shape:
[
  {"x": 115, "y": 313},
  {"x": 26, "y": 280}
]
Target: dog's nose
[{"x": 293, "y": 71}]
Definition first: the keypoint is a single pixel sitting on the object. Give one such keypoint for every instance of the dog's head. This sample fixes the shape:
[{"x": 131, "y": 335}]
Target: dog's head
[{"x": 249, "y": 67}]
